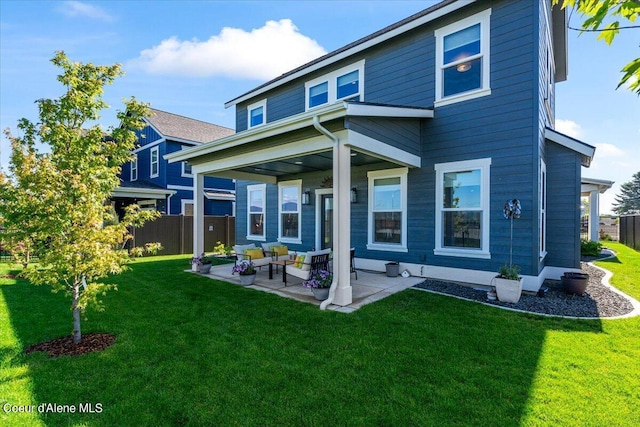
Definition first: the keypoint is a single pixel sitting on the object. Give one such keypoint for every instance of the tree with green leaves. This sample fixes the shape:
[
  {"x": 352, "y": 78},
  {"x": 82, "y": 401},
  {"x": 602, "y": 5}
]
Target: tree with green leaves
[
  {"x": 604, "y": 17},
  {"x": 54, "y": 200},
  {"x": 628, "y": 201}
]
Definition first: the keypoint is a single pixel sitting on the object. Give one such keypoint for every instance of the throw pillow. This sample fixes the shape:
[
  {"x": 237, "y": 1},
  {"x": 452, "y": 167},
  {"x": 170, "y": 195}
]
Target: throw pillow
[
  {"x": 299, "y": 261},
  {"x": 280, "y": 250},
  {"x": 254, "y": 253}
]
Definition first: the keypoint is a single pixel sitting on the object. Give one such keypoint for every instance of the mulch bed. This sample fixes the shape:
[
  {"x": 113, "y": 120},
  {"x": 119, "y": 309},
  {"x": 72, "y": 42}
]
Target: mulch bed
[{"x": 65, "y": 347}]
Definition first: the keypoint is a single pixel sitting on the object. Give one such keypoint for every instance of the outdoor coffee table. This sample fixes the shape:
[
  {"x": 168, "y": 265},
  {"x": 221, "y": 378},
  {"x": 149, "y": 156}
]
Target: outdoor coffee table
[{"x": 283, "y": 263}]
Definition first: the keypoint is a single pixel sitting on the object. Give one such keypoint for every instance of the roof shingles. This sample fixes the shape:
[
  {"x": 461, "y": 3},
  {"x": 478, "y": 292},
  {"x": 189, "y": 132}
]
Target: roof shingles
[{"x": 175, "y": 126}]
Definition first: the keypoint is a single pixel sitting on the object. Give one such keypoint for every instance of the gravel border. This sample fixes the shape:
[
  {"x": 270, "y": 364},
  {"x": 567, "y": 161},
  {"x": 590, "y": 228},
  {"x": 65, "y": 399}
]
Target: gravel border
[{"x": 599, "y": 301}]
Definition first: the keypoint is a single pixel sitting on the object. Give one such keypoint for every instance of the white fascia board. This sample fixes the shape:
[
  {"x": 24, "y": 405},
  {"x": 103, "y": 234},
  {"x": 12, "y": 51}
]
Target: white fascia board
[
  {"x": 289, "y": 124},
  {"x": 364, "y": 110},
  {"x": 280, "y": 152},
  {"x": 139, "y": 193},
  {"x": 379, "y": 149},
  {"x": 354, "y": 50},
  {"x": 571, "y": 143}
]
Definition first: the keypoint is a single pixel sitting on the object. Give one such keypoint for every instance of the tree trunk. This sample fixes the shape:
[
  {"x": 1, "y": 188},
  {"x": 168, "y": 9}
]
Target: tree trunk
[{"x": 77, "y": 333}]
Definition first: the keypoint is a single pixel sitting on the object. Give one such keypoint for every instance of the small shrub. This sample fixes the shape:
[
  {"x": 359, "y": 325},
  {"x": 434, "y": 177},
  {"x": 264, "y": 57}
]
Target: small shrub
[
  {"x": 510, "y": 272},
  {"x": 590, "y": 248}
]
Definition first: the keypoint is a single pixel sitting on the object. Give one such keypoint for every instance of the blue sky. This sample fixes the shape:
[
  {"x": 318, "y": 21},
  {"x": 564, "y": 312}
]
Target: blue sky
[{"x": 190, "y": 57}]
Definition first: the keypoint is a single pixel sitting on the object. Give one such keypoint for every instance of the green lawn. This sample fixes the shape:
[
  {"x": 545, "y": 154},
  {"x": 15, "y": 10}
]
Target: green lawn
[{"x": 193, "y": 351}]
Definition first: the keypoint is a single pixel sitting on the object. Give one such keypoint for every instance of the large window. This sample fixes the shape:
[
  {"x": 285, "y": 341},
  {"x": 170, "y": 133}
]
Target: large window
[
  {"x": 257, "y": 113},
  {"x": 388, "y": 210},
  {"x": 462, "y": 208},
  {"x": 155, "y": 165},
  {"x": 345, "y": 83},
  {"x": 256, "y": 204},
  {"x": 462, "y": 59},
  {"x": 289, "y": 223},
  {"x": 134, "y": 168}
]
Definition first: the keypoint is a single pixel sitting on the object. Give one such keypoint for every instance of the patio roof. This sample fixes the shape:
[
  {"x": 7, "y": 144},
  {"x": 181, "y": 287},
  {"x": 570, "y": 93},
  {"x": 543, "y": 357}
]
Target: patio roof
[
  {"x": 141, "y": 190},
  {"x": 306, "y": 149}
]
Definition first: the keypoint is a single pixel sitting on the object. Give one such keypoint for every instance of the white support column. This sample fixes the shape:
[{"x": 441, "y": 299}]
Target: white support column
[
  {"x": 198, "y": 215},
  {"x": 594, "y": 216},
  {"x": 342, "y": 223}
]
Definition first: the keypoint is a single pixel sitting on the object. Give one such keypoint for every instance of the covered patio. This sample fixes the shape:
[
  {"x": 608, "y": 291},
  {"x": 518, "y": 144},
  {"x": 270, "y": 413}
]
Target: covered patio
[
  {"x": 367, "y": 288},
  {"x": 334, "y": 138}
]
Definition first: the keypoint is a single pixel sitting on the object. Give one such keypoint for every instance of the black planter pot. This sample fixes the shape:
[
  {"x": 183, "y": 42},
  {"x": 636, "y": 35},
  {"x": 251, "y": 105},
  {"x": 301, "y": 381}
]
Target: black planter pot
[{"x": 575, "y": 283}]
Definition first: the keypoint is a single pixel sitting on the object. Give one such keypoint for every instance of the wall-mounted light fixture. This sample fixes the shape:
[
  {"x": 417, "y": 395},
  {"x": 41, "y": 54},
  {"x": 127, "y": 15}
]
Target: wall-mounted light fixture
[
  {"x": 354, "y": 195},
  {"x": 306, "y": 197}
]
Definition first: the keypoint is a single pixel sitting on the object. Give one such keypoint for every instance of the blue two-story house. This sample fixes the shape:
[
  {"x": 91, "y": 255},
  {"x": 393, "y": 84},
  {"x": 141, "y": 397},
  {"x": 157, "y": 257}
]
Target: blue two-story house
[
  {"x": 406, "y": 144},
  {"x": 153, "y": 183}
]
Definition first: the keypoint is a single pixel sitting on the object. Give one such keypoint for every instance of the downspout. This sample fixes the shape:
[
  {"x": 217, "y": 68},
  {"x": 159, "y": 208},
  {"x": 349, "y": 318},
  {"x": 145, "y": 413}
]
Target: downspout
[{"x": 336, "y": 142}]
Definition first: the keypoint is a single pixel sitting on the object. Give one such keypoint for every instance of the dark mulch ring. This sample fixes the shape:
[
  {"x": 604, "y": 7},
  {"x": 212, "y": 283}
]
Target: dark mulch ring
[
  {"x": 65, "y": 346},
  {"x": 598, "y": 301}
]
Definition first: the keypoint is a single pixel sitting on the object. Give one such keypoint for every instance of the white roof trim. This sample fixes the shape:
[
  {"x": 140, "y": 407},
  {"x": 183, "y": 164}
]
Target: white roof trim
[
  {"x": 586, "y": 150},
  {"x": 365, "y": 110},
  {"x": 298, "y": 121},
  {"x": 591, "y": 184},
  {"x": 141, "y": 193},
  {"x": 355, "y": 49}
]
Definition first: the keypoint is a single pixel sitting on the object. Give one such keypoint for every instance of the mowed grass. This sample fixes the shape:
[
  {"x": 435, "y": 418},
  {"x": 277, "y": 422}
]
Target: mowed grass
[{"x": 194, "y": 351}]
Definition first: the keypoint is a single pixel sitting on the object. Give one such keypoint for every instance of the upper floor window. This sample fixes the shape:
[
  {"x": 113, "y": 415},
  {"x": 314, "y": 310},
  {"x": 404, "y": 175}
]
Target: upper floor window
[
  {"x": 155, "y": 163},
  {"x": 388, "y": 210},
  {"x": 257, "y": 113},
  {"x": 187, "y": 169},
  {"x": 256, "y": 199},
  {"x": 289, "y": 210},
  {"x": 134, "y": 168},
  {"x": 462, "y": 59},
  {"x": 345, "y": 83},
  {"x": 462, "y": 208}
]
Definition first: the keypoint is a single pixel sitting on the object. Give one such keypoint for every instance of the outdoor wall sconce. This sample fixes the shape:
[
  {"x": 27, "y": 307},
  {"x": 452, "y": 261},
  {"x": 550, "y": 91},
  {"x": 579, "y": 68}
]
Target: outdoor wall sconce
[
  {"x": 306, "y": 197},
  {"x": 354, "y": 195}
]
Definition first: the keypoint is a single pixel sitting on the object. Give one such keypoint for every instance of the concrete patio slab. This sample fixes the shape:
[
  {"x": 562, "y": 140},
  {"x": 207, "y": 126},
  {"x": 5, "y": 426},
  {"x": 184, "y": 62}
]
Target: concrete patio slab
[{"x": 369, "y": 287}]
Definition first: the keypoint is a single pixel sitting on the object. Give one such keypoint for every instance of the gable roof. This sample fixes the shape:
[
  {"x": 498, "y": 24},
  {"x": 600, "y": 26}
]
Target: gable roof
[
  {"x": 180, "y": 128},
  {"x": 429, "y": 14},
  {"x": 585, "y": 150}
]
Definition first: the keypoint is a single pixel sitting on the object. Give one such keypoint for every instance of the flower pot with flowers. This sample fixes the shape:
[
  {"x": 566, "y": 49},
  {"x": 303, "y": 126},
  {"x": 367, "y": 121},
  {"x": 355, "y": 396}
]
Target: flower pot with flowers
[
  {"x": 202, "y": 263},
  {"x": 319, "y": 282},
  {"x": 247, "y": 272},
  {"x": 508, "y": 282}
]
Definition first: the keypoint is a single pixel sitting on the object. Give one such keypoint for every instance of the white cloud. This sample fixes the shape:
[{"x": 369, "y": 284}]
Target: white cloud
[
  {"x": 75, "y": 8},
  {"x": 569, "y": 127},
  {"x": 263, "y": 53},
  {"x": 608, "y": 150}
]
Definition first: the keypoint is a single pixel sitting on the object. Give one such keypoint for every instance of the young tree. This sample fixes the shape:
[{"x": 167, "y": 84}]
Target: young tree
[
  {"x": 595, "y": 13},
  {"x": 628, "y": 201},
  {"x": 54, "y": 200}
]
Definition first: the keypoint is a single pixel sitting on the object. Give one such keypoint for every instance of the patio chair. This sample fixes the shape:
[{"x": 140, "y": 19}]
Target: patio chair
[{"x": 313, "y": 261}]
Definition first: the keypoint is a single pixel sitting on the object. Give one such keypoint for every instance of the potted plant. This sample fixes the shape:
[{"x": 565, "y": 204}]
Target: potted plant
[
  {"x": 508, "y": 282},
  {"x": 203, "y": 262},
  {"x": 319, "y": 283},
  {"x": 221, "y": 250},
  {"x": 247, "y": 272}
]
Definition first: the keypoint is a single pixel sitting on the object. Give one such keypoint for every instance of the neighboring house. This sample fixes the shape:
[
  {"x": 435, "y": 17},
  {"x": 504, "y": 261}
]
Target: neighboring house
[
  {"x": 154, "y": 184},
  {"x": 406, "y": 144}
]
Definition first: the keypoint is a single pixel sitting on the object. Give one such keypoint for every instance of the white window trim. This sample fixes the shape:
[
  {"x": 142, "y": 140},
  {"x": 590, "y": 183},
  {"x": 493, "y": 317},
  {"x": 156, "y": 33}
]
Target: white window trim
[
  {"x": 483, "y": 18},
  {"x": 263, "y": 188},
  {"x": 485, "y": 166},
  {"x": 263, "y": 104},
  {"x": 133, "y": 171},
  {"x": 332, "y": 78},
  {"x": 157, "y": 152},
  {"x": 185, "y": 174},
  {"x": 542, "y": 195},
  {"x": 298, "y": 184},
  {"x": 388, "y": 173}
]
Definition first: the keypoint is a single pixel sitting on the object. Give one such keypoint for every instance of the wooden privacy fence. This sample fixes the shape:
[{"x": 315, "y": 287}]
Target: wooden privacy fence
[
  {"x": 175, "y": 233},
  {"x": 630, "y": 231}
]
